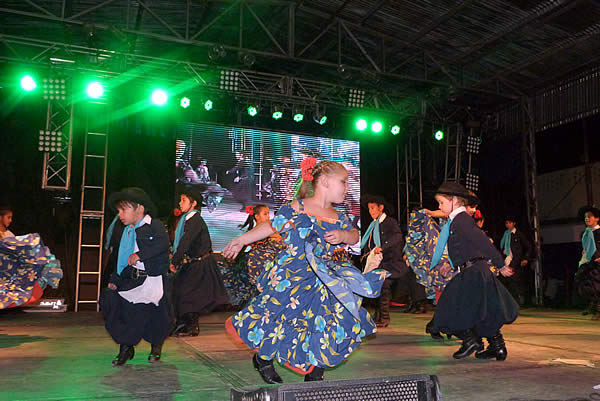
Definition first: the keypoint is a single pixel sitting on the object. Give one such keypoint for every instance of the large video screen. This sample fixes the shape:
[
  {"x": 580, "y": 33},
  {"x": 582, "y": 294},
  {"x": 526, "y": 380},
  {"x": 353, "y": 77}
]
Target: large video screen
[{"x": 238, "y": 167}]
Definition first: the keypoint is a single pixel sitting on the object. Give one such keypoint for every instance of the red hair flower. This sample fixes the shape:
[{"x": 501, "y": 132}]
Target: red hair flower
[
  {"x": 306, "y": 167},
  {"x": 177, "y": 212},
  {"x": 250, "y": 210},
  {"x": 477, "y": 215}
]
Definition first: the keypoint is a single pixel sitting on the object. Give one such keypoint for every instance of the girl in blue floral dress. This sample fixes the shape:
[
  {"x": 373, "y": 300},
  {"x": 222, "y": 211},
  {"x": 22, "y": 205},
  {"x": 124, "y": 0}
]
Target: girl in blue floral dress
[{"x": 308, "y": 315}]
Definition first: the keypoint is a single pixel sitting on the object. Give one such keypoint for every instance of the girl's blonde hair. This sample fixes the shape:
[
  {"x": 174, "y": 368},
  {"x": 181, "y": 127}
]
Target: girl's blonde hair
[{"x": 327, "y": 167}]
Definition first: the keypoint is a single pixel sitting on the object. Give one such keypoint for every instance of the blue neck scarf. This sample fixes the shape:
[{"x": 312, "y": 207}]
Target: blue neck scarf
[
  {"x": 109, "y": 232},
  {"x": 127, "y": 246},
  {"x": 180, "y": 228},
  {"x": 441, "y": 245},
  {"x": 589, "y": 244},
  {"x": 373, "y": 228},
  {"x": 505, "y": 242}
]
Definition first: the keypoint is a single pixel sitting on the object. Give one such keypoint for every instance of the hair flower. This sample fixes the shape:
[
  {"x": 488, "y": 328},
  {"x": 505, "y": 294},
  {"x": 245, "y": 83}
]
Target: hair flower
[
  {"x": 306, "y": 167},
  {"x": 177, "y": 212},
  {"x": 250, "y": 210}
]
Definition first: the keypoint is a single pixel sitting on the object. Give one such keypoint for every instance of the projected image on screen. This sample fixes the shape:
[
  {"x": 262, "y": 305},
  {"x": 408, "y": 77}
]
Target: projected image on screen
[{"x": 239, "y": 167}]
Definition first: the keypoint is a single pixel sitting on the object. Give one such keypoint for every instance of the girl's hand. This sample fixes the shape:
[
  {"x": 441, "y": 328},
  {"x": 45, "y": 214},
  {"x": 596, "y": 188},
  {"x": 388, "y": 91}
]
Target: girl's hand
[
  {"x": 112, "y": 286},
  {"x": 507, "y": 271},
  {"x": 233, "y": 248},
  {"x": 335, "y": 237},
  {"x": 173, "y": 268}
]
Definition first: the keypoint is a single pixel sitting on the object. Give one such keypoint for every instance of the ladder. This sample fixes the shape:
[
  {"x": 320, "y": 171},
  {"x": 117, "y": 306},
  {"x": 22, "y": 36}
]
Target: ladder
[{"x": 91, "y": 214}]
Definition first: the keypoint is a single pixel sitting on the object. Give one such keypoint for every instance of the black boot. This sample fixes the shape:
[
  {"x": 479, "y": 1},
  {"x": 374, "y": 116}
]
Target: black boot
[
  {"x": 470, "y": 344},
  {"x": 126, "y": 352},
  {"x": 266, "y": 369},
  {"x": 420, "y": 307},
  {"x": 384, "y": 307},
  {"x": 187, "y": 326},
  {"x": 155, "y": 353},
  {"x": 434, "y": 334},
  {"x": 496, "y": 349},
  {"x": 315, "y": 375}
]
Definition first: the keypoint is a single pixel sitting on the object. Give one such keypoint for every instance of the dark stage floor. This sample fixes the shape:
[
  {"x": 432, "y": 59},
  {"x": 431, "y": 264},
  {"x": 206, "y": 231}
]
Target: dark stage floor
[{"x": 66, "y": 356}]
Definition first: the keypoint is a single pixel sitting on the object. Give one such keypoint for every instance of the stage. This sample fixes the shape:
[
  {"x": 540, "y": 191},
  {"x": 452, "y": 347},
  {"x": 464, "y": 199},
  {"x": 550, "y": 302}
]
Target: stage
[{"x": 553, "y": 355}]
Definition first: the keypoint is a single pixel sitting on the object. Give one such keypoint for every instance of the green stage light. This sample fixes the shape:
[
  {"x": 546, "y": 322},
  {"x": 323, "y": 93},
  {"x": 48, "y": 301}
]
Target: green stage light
[
  {"x": 439, "y": 135},
  {"x": 361, "y": 124},
  {"x": 159, "y": 97},
  {"x": 376, "y": 127},
  {"x": 185, "y": 102},
  {"x": 298, "y": 117},
  {"x": 277, "y": 115},
  {"x": 395, "y": 130},
  {"x": 95, "y": 90},
  {"x": 27, "y": 83},
  {"x": 323, "y": 120},
  {"x": 252, "y": 111},
  {"x": 208, "y": 105}
]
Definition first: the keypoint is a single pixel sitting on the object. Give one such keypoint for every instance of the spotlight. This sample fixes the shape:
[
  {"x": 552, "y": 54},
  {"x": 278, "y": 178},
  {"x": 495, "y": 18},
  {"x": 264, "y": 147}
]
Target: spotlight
[
  {"x": 27, "y": 83},
  {"x": 473, "y": 143},
  {"x": 277, "y": 111},
  {"x": 319, "y": 117},
  {"x": 252, "y": 110},
  {"x": 395, "y": 130},
  {"x": 356, "y": 98},
  {"x": 50, "y": 141},
  {"x": 208, "y": 105},
  {"x": 439, "y": 135},
  {"x": 55, "y": 88},
  {"x": 298, "y": 114},
  {"x": 376, "y": 127},
  {"x": 472, "y": 182},
  {"x": 361, "y": 124},
  {"x": 185, "y": 102},
  {"x": 229, "y": 80},
  {"x": 95, "y": 90},
  {"x": 216, "y": 53},
  {"x": 159, "y": 97}
]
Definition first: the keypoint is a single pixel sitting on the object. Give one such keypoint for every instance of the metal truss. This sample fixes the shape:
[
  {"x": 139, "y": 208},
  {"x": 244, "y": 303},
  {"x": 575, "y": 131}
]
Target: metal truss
[
  {"x": 454, "y": 157},
  {"x": 368, "y": 66},
  {"x": 530, "y": 170},
  {"x": 56, "y": 170}
]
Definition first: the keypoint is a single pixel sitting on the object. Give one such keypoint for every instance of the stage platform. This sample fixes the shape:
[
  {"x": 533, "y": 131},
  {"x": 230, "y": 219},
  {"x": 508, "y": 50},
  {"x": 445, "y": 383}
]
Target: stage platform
[{"x": 553, "y": 355}]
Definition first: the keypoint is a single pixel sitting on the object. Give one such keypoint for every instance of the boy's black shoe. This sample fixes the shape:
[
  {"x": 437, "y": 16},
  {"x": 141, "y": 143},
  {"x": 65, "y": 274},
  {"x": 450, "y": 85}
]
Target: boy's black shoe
[
  {"x": 315, "y": 375},
  {"x": 434, "y": 334},
  {"x": 470, "y": 344},
  {"x": 496, "y": 349},
  {"x": 155, "y": 353},
  {"x": 126, "y": 352},
  {"x": 267, "y": 370}
]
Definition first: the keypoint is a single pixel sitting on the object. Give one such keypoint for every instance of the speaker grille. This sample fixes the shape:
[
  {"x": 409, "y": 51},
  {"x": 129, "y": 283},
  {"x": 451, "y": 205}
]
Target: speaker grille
[{"x": 398, "y": 391}]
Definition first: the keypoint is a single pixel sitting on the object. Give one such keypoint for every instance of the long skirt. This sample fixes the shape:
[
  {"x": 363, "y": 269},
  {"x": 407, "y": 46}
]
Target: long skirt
[
  {"x": 198, "y": 288},
  {"x": 587, "y": 282},
  {"x": 475, "y": 299}
]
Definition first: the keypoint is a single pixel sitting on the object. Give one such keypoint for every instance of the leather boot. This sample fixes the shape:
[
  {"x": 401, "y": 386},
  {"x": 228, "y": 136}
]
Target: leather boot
[
  {"x": 410, "y": 308},
  {"x": 434, "y": 334},
  {"x": 470, "y": 344},
  {"x": 266, "y": 370},
  {"x": 495, "y": 349},
  {"x": 126, "y": 352},
  {"x": 188, "y": 326},
  {"x": 155, "y": 353},
  {"x": 420, "y": 308},
  {"x": 384, "y": 308},
  {"x": 315, "y": 375}
]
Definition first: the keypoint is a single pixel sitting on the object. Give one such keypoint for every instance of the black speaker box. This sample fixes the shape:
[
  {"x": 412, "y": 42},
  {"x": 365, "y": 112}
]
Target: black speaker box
[{"x": 391, "y": 388}]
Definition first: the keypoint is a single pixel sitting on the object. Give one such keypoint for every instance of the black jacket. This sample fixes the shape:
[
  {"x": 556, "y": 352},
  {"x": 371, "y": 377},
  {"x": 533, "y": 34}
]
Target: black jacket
[
  {"x": 467, "y": 242},
  {"x": 195, "y": 241},
  {"x": 392, "y": 245},
  {"x": 519, "y": 246},
  {"x": 153, "y": 244}
]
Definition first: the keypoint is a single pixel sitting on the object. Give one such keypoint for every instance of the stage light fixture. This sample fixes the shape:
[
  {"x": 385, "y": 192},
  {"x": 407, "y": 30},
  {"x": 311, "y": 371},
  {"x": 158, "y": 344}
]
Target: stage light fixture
[
  {"x": 356, "y": 98},
  {"x": 252, "y": 111},
  {"x": 361, "y": 124},
  {"x": 55, "y": 88},
  {"x": 439, "y": 135},
  {"x": 185, "y": 102},
  {"x": 319, "y": 116},
  {"x": 28, "y": 83},
  {"x": 50, "y": 141},
  {"x": 208, "y": 105},
  {"x": 472, "y": 182},
  {"x": 298, "y": 114},
  {"x": 95, "y": 90},
  {"x": 473, "y": 143},
  {"x": 159, "y": 97},
  {"x": 276, "y": 111},
  {"x": 376, "y": 127},
  {"x": 229, "y": 80},
  {"x": 395, "y": 130}
]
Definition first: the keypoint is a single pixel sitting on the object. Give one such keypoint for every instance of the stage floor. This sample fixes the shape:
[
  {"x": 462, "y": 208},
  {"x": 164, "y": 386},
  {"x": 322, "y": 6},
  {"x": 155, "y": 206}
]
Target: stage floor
[{"x": 553, "y": 355}]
